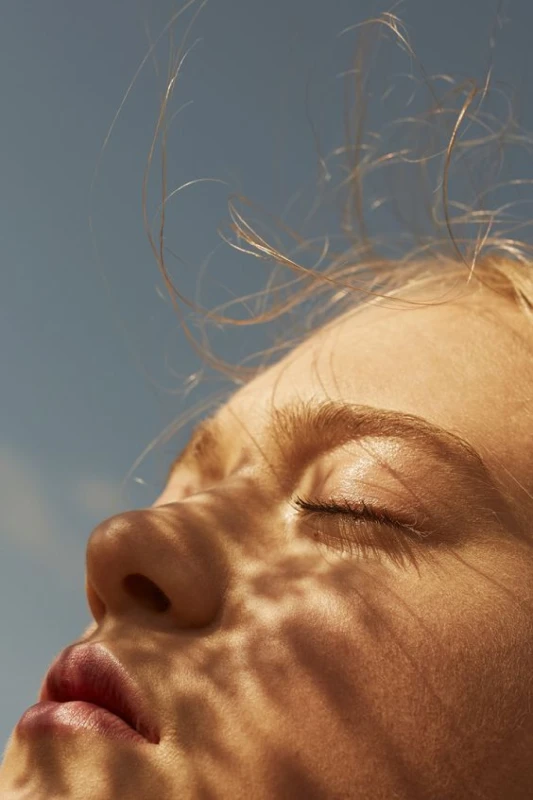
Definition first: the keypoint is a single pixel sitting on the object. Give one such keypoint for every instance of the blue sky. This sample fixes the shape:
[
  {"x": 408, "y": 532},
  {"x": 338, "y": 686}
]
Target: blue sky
[{"x": 93, "y": 358}]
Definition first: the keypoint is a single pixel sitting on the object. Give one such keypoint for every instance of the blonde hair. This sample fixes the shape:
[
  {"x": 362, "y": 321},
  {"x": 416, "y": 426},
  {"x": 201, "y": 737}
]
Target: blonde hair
[{"x": 473, "y": 241}]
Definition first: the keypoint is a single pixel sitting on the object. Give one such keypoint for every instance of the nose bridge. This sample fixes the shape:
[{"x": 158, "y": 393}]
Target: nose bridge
[{"x": 243, "y": 510}]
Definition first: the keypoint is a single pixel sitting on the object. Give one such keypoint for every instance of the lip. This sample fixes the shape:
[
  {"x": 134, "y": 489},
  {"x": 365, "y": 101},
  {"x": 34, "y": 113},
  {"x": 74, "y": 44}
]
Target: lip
[{"x": 87, "y": 681}]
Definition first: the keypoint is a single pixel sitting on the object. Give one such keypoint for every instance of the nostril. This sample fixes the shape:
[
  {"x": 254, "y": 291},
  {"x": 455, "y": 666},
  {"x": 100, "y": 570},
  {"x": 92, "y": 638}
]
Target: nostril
[{"x": 146, "y": 592}]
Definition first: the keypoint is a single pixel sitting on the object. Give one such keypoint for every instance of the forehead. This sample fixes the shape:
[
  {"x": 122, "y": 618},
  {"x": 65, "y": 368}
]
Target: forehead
[{"x": 465, "y": 364}]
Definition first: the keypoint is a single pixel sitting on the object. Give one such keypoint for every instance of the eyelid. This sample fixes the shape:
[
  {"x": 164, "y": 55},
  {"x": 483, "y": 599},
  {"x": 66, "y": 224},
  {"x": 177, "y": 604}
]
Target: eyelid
[
  {"x": 367, "y": 511},
  {"x": 390, "y": 480},
  {"x": 361, "y": 533},
  {"x": 365, "y": 531},
  {"x": 360, "y": 508}
]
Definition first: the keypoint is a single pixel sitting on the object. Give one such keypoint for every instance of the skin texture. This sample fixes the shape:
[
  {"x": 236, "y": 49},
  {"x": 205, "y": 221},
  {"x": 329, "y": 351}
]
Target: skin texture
[{"x": 283, "y": 668}]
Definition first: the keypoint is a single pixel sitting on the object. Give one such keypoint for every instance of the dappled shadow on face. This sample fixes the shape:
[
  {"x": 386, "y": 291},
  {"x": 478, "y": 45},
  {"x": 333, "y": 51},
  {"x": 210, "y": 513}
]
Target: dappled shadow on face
[{"x": 315, "y": 675}]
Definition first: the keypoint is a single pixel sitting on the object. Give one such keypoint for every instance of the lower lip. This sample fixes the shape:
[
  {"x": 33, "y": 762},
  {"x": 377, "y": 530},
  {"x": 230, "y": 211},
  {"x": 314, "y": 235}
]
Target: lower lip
[{"x": 49, "y": 717}]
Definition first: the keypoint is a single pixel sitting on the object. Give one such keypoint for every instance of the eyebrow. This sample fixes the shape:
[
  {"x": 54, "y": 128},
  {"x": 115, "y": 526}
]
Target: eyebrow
[{"x": 301, "y": 430}]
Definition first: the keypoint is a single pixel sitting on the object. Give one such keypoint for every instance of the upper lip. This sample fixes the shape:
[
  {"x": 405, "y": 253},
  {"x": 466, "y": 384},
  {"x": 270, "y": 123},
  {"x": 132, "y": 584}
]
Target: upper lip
[{"x": 92, "y": 674}]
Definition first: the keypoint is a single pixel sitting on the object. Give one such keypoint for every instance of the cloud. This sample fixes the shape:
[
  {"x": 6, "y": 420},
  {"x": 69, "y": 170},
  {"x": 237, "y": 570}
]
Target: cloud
[
  {"x": 28, "y": 521},
  {"x": 48, "y": 534}
]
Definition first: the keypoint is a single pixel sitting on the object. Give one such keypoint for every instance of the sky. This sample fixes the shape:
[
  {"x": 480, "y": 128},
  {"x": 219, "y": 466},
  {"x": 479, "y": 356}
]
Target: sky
[{"x": 94, "y": 362}]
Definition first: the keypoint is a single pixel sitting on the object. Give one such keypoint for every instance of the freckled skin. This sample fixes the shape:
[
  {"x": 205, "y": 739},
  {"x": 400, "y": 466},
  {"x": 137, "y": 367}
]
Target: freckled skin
[{"x": 282, "y": 669}]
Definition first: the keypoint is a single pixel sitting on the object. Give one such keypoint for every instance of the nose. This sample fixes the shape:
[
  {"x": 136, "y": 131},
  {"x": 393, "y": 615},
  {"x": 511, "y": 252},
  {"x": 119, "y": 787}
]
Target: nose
[{"x": 158, "y": 562}]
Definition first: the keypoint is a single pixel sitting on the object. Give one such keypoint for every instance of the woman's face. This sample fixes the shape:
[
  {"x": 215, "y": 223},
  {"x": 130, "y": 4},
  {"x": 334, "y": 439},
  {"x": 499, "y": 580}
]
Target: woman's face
[{"x": 307, "y": 656}]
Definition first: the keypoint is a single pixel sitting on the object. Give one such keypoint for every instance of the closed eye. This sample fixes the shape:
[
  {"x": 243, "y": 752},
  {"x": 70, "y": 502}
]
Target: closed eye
[
  {"x": 359, "y": 510},
  {"x": 362, "y": 529}
]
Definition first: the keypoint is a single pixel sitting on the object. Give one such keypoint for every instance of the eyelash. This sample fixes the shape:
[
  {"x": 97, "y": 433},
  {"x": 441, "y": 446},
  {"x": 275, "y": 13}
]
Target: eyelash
[{"x": 396, "y": 543}]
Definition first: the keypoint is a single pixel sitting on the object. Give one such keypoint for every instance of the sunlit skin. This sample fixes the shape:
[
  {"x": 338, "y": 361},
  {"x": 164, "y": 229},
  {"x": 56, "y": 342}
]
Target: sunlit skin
[{"x": 283, "y": 668}]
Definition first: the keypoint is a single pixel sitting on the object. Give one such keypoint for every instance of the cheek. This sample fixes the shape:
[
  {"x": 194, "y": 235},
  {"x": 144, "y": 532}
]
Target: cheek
[{"x": 440, "y": 665}]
